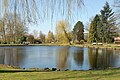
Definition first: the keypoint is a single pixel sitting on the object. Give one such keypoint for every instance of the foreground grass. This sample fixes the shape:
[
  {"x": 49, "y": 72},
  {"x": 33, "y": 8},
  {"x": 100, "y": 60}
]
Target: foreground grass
[{"x": 112, "y": 74}]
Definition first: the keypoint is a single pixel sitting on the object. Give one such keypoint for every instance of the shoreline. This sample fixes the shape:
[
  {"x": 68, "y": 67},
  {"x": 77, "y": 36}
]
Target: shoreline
[
  {"x": 8, "y": 68},
  {"x": 109, "y": 46},
  {"x": 19, "y": 74}
]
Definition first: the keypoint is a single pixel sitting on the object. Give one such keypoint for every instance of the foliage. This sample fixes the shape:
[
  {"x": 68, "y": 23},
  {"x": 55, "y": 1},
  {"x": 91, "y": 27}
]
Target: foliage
[
  {"x": 103, "y": 27},
  {"x": 30, "y": 38},
  {"x": 82, "y": 41},
  {"x": 9, "y": 32},
  {"x": 78, "y": 31},
  {"x": 32, "y": 10},
  {"x": 50, "y": 37},
  {"x": 87, "y": 24},
  {"x": 42, "y": 37},
  {"x": 70, "y": 34},
  {"x": 22, "y": 39},
  {"x": 107, "y": 22},
  {"x": 37, "y": 41},
  {"x": 62, "y": 30},
  {"x": 93, "y": 34},
  {"x": 60, "y": 38}
]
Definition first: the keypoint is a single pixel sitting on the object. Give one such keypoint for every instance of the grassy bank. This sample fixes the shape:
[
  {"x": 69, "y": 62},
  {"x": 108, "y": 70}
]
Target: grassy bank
[
  {"x": 12, "y": 73},
  {"x": 112, "y": 74}
]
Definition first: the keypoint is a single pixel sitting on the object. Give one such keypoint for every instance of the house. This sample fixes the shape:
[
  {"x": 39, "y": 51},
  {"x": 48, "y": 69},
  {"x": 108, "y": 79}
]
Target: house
[
  {"x": 117, "y": 40},
  {"x": 85, "y": 36}
]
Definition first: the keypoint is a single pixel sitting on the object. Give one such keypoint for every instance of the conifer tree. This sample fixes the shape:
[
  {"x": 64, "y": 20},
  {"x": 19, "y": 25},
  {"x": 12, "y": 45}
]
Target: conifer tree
[
  {"x": 93, "y": 34},
  {"x": 78, "y": 31},
  {"x": 108, "y": 23}
]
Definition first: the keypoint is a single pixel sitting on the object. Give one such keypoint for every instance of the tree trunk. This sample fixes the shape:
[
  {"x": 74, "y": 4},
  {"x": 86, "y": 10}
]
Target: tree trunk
[{"x": 67, "y": 37}]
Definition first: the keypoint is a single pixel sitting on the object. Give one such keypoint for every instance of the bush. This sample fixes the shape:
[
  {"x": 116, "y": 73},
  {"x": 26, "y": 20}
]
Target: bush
[
  {"x": 82, "y": 42},
  {"x": 4, "y": 42}
]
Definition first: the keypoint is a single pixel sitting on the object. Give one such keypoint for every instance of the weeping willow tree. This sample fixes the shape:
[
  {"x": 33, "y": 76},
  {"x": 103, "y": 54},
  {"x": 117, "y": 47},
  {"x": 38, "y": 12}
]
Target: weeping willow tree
[
  {"x": 32, "y": 10},
  {"x": 62, "y": 30}
]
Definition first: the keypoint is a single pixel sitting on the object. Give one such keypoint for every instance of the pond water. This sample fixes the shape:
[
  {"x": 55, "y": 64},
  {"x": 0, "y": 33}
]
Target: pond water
[{"x": 61, "y": 57}]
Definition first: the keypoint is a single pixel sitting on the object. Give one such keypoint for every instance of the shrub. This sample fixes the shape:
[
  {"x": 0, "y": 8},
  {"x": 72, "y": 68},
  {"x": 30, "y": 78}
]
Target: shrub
[{"x": 82, "y": 42}]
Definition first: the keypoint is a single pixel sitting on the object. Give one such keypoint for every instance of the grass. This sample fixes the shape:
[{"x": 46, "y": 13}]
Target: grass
[
  {"x": 113, "y": 74},
  {"x": 11, "y": 73}
]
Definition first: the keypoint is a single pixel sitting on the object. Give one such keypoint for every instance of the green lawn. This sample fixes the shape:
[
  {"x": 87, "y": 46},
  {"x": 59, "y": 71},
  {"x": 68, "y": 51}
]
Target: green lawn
[{"x": 113, "y": 74}]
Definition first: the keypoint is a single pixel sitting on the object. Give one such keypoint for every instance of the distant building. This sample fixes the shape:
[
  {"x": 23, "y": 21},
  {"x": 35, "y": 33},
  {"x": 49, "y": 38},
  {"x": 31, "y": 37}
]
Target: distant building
[
  {"x": 117, "y": 40},
  {"x": 85, "y": 36}
]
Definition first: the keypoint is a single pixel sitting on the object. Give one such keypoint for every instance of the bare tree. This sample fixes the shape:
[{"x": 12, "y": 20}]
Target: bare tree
[{"x": 117, "y": 7}]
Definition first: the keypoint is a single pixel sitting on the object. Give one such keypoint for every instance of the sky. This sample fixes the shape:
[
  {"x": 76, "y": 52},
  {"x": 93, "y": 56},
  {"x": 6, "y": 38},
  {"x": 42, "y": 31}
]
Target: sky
[{"x": 89, "y": 10}]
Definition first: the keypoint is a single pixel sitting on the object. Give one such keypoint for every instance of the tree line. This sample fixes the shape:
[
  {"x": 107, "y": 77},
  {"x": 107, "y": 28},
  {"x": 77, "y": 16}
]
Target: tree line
[
  {"x": 9, "y": 32},
  {"x": 103, "y": 28},
  {"x": 16, "y": 14}
]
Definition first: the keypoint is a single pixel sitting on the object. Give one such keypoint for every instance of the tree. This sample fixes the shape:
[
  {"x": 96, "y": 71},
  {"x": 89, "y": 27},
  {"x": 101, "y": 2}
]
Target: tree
[
  {"x": 30, "y": 38},
  {"x": 93, "y": 34},
  {"x": 78, "y": 31},
  {"x": 11, "y": 33},
  {"x": 2, "y": 31},
  {"x": 32, "y": 10},
  {"x": 42, "y": 37},
  {"x": 22, "y": 39},
  {"x": 103, "y": 27},
  {"x": 108, "y": 23},
  {"x": 19, "y": 30},
  {"x": 87, "y": 24},
  {"x": 62, "y": 29},
  {"x": 50, "y": 37}
]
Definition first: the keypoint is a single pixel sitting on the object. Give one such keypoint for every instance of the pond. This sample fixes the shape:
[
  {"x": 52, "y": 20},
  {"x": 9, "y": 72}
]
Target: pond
[{"x": 60, "y": 57}]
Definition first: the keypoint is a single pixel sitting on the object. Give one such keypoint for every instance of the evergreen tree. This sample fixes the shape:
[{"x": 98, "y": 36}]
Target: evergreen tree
[
  {"x": 42, "y": 37},
  {"x": 78, "y": 31},
  {"x": 102, "y": 28},
  {"x": 93, "y": 34},
  {"x": 108, "y": 23},
  {"x": 50, "y": 37}
]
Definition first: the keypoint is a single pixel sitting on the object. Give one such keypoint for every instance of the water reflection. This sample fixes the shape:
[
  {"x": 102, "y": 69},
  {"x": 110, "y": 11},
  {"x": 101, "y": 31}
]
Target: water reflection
[
  {"x": 102, "y": 58},
  {"x": 11, "y": 56},
  {"x": 79, "y": 57},
  {"x": 62, "y": 58},
  {"x": 2, "y": 56},
  {"x": 74, "y": 58}
]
